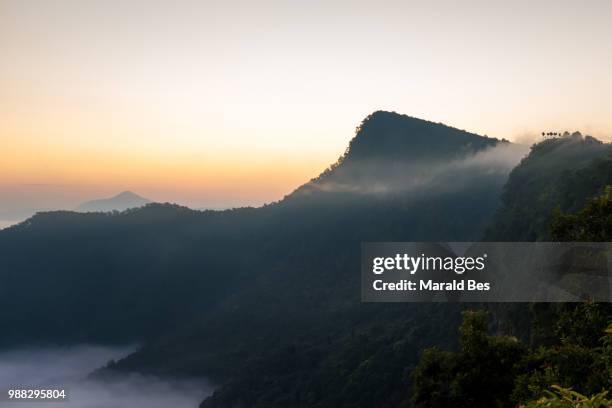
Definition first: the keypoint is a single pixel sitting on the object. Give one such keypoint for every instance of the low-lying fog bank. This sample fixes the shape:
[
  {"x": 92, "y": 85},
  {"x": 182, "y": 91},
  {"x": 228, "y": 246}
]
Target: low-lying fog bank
[{"x": 67, "y": 368}]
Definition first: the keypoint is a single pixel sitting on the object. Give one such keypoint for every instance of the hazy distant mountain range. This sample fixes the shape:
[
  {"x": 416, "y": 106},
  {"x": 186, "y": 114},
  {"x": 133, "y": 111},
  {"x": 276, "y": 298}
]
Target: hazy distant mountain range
[
  {"x": 120, "y": 202},
  {"x": 15, "y": 216}
]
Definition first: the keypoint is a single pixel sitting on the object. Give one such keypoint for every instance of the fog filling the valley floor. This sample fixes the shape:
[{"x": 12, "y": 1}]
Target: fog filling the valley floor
[{"x": 68, "y": 368}]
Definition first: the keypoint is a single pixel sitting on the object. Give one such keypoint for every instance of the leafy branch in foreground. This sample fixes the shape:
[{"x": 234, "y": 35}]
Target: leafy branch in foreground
[{"x": 567, "y": 398}]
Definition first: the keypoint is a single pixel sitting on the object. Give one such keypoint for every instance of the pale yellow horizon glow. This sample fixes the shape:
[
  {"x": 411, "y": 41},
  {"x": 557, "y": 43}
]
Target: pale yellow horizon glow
[{"x": 217, "y": 104}]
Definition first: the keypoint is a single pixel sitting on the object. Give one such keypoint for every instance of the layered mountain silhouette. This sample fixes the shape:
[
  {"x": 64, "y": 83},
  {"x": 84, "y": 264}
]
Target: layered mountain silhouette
[
  {"x": 121, "y": 202},
  {"x": 267, "y": 300},
  {"x": 140, "y": 268}
]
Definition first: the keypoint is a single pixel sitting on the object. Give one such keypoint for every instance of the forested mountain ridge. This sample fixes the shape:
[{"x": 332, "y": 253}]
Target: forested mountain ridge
[
  {"x": 394, "y": 153},
  {"x": 562, "y": 191},
  {"x": 266, "y": 300},
  {"x": 137, "y": 275},
  {"x": 558, "y": 173},
  {"x": 575, "y": 158},
  {"x": 305, "y": 278}
]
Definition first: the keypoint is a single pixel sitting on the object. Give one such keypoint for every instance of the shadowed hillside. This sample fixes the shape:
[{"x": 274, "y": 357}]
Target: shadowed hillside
[
  {"x": 146, "y": 270},
  {"x": 266, "y": 300},
  {"x": 368, "y": 361},
  {"x": 394, "y": 154},
  {"x": 558, "y": 173}
]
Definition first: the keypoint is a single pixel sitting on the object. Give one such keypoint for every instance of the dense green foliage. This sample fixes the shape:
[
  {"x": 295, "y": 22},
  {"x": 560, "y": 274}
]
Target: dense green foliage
[
  {"x": 360, "y": 365},
  {"x": 501, "y": 371},
  {"x": 593, "y": 223},
  {"x": 571, "y": 346},
  {"x": 480, "y": 374},
  {"x": 560, "y": 397}
]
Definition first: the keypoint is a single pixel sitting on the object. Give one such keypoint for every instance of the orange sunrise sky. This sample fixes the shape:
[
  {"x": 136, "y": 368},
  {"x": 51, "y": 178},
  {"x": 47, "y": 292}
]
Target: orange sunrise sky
[{"x": 230, "y": 103}]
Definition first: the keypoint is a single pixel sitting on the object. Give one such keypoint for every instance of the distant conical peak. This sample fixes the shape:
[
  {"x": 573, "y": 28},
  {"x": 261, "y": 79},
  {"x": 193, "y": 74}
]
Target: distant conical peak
[
  {"x": 119, "y": 202},
  {"x": 127, "y": 194}
]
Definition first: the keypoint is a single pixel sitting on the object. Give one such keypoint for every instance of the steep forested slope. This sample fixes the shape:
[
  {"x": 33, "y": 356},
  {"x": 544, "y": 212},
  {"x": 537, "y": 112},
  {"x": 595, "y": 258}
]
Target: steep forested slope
[
  {"x": 558, "y": 173},
  {"x": 315, "y": 371},
  {"x": 298, "y": 333},
  {"x": 562, "y": 192},
  {"x": 566, "y": 362}
]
